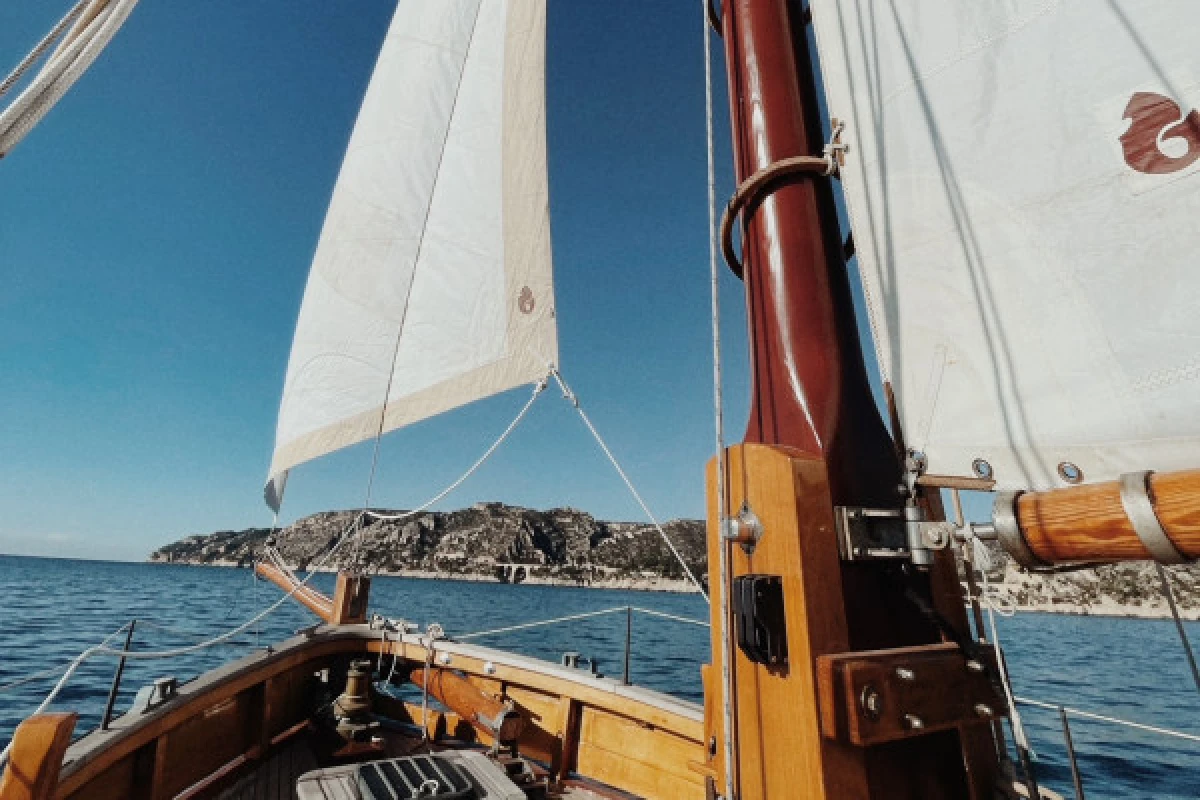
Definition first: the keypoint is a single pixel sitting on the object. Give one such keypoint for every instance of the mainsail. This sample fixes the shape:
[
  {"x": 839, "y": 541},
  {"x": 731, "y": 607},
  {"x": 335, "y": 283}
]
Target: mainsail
[
  {"x": 1023, "y": 184},
  {"x": 431, "y": 285}
]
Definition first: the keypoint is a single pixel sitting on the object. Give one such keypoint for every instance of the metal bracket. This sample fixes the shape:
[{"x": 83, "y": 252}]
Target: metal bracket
[
  {"x": 873, "y": 534},
  {"x": 1135, "y": 498},
  {"x": 1008, "y": 531},
  {"x": 744, "y": 529}
]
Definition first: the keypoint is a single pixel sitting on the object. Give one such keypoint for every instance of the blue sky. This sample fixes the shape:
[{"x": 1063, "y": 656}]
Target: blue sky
[{"x": 155, "y": 237}]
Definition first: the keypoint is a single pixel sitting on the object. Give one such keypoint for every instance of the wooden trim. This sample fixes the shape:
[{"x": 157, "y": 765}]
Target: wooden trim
[{"x": 533, "y": 684}]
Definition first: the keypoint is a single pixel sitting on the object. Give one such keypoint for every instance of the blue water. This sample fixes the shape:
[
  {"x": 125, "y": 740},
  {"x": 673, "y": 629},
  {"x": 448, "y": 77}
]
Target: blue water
[{"x": 1124, "y": 668}]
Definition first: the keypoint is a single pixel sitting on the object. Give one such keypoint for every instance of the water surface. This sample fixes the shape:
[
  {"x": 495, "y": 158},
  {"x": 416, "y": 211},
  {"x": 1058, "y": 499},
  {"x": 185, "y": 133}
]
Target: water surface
[{"x": 1121, "y": 667}]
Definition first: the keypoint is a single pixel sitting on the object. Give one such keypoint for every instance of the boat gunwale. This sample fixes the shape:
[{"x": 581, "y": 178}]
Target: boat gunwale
[{"x": 92, "y": 754}]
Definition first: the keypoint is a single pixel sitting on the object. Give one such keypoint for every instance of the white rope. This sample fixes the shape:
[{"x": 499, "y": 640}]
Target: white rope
[
  {"x": 352, "y": 531},
  {"x": 40, "y": 49},
  {"x": 714, "y": 272},
  {"x": 983, "y": 558},
  {"x": 1191, "y": 737},
  {"x": 538, "y": 388},
  {"x": 103, "y": 19},
  {"x": 573, "y": 617},
  {"x": 70, "y": 670},
  {"x": 539, "y": 623},
  {"x": 570, "y": 395}
]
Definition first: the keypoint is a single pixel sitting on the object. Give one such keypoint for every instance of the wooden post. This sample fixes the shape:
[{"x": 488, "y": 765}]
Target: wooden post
[
  {"x": 350, "y": 599},
  {"x": 35, "y": 760}
]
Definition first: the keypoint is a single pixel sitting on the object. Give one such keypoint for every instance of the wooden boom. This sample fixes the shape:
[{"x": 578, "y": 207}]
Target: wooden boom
[
  {"x": 1139, "y": 517},
  {"x": 347, "y": 606},
  {"x": 497, "y": 719}
]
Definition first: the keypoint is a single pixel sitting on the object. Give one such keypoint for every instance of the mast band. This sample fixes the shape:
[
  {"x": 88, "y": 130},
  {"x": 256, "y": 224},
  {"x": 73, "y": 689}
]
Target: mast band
[
  {"x": 1135, "y": 498},
  {"x": 1008, "y": 531}
]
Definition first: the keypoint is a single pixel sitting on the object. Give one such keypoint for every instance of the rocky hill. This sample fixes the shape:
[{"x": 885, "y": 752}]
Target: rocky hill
[
  {"x": 488, "y": 541},
  {"x": 492, "y": 541}
]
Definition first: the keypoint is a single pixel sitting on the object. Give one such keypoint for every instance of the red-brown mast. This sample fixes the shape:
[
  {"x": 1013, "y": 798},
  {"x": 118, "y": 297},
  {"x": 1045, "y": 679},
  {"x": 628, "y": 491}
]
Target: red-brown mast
[
  {"x": 816, "y": 442},
  {"x": 810, "y": 388}
]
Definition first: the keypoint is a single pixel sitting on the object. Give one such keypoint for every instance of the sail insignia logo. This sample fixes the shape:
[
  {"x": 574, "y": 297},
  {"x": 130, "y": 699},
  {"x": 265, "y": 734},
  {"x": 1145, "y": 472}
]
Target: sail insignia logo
[{"x": 1160, "y": 139}]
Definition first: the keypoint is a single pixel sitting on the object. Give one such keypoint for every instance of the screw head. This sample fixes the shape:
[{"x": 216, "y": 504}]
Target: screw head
[
  {"x": 913, "y": 722},
  {"x": 871, "y": 702},
  {"x": 905, "y": 674}
]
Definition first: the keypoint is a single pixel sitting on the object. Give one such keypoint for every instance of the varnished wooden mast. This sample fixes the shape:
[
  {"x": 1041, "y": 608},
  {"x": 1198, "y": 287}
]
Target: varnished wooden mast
[{"x": 815, "y": 442}]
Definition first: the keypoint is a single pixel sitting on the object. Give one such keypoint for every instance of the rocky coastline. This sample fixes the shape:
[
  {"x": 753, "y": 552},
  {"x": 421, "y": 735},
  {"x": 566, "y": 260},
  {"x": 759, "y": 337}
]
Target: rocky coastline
[
  {"x": 566, "y": 547},
  {"x": 486, "y": 542}
]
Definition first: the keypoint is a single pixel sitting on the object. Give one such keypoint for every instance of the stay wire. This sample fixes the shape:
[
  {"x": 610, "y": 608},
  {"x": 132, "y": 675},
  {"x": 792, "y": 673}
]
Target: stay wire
[{"x": 574, "y": 400}]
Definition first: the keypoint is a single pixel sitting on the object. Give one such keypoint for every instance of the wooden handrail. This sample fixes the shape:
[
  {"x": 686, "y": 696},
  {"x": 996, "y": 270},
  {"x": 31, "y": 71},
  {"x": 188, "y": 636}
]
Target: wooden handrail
[{"x": 1093, "y": 523}]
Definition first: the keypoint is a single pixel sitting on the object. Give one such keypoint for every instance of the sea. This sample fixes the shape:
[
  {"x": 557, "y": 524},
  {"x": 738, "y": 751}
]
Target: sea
[{"x": 1129, "y": 669}]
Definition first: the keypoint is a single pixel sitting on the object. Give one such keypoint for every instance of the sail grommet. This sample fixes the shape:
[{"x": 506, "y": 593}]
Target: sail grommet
[
  {"x": 1071, "y": 473},
  {"x": 1139, "y": 507},
  {"x": 982, "y": 469},
  {"x": 1008, "y": 531}
]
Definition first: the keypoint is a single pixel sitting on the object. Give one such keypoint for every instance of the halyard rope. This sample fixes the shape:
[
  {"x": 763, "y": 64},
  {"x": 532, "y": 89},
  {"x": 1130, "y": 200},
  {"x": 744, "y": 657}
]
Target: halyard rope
[
  {"x": 95, "y": 25},
  {"x": 574, "y": 399},
  {"x": 710, "y": 17}
]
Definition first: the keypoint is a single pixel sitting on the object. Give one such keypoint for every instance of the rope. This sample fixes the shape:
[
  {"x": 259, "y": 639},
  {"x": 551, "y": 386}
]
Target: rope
[
  {"x": 574, "y": 617},
  {"x": 983, "y": 558},
  {"x": 570, "y": 395},
  {"x": 63, "y": 69},
  {"x": 1169, "y": 593},
  {"x": 712, "y": 17},
  {"x": 350, "y": 532},
  {"x": 1191, "y": 737},
  {"x": 40, "y": 50},
  {"x": 538, "y": 388}
]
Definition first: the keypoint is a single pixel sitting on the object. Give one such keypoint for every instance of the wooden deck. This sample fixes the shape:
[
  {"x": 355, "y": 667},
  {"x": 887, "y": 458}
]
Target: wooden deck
[{"x": 276, "y": 778}]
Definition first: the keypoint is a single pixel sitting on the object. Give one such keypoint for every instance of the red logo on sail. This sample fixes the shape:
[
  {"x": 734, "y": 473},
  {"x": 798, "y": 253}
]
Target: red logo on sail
[{"x": 1156, "y": 120}]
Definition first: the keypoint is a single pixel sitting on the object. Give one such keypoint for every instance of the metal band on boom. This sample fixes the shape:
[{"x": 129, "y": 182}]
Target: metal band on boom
[
  {"x": 1135, "y": 498},
  {"x": 1008, "y": 531}
]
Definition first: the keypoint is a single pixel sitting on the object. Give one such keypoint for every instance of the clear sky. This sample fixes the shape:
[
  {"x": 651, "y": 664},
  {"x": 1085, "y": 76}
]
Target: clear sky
[{"x": 155, "y": 237}]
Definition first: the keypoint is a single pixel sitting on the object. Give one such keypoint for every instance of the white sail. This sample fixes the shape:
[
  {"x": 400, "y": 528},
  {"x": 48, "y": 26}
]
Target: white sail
[
  {"x": 1023, "y": 184},
  {"x": 431, "y": 285}
]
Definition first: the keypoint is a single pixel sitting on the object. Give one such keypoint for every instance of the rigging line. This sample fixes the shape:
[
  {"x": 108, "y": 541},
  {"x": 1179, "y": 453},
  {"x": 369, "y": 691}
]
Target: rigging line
[
  {"x": 1183, "y": 637},
  {"x": 416, "y": 263},
  {"x": 45, "y": 673},
  {"x": 574, "y": 617},
  {"x": 538, "y": 388},
  {"x": 1191, "y": 737},
  {"x": 71, "y": 667},
  {"x": 64, "y": 68},
  {"x": 45, "y": 44},
  {"x": 1018, "y": 728},
  {"x": 718, "y": 409},
  {"x": 570, "y": 395}
]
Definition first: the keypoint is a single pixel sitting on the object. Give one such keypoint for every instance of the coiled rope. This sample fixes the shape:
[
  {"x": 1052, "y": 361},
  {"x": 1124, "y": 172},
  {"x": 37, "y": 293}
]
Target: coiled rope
[{"x": 93, "y": 24}]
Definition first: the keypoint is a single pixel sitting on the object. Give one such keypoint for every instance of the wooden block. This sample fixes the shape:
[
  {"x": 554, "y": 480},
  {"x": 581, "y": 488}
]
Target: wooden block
[{"x": 878, "y": 696}]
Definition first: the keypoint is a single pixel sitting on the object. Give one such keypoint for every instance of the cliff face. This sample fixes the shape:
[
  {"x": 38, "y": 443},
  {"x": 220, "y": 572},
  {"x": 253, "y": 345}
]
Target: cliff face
[{"x": 482, "y": 541}]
